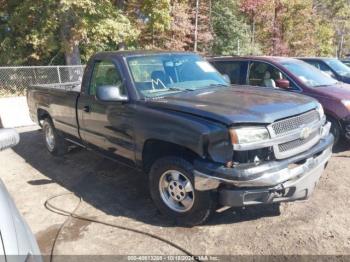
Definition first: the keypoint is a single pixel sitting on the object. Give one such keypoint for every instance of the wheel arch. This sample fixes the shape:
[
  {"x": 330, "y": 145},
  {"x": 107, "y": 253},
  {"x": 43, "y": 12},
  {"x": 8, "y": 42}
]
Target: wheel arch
[
  {"x": 42, "y": 114},
  {"x": 154, "y": 149}
]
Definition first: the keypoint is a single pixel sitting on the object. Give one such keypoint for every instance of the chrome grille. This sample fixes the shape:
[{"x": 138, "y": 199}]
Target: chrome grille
[
  {"x": 294, "y": 128},
  {"x": 293, "y": 123},
  {"x": 296, "y": 143}
]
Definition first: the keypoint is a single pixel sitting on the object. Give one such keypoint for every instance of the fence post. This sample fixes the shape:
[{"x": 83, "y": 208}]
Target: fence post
[{"x": 58, "y": 73}]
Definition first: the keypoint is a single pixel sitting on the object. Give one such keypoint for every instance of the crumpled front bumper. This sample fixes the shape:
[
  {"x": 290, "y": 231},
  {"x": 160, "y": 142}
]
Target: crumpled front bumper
[{"x": 276, "y": 181}]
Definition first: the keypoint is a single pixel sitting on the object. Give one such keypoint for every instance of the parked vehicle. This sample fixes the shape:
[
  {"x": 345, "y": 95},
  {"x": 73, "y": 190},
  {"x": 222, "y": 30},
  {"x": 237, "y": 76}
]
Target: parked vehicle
[
  {"x": 17, "y": 242},
  {"x": 331, "y": 66},
  {"x": 346, "y": 61},
  {"x": 296, "y": 76},
  {"x": 200, "y": 141}
]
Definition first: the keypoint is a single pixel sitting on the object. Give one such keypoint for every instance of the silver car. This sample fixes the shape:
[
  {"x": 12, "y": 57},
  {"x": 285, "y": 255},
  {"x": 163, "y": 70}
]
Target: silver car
[{"x": 17, "y": 242}]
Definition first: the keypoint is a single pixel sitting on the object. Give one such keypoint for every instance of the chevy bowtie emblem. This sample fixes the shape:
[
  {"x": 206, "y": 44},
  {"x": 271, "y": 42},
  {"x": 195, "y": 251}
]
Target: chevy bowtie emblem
[{"x": 305, "y": 133}]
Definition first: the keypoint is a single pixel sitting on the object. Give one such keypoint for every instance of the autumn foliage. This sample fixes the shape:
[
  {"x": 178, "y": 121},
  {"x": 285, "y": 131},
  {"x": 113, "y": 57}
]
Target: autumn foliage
[{"x": 64, "y": 31}]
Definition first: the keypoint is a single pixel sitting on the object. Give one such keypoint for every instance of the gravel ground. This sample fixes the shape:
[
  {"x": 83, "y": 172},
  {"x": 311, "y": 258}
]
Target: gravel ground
[{"x": 118, "y": 195}]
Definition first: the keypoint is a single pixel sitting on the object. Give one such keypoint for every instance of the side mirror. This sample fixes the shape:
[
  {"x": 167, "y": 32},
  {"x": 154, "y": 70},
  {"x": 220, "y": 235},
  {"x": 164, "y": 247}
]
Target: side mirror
[
  {"x": 283, "y": 83},
  {"x": 110, "y": 93},
  {"x": 227, "y": 78}
]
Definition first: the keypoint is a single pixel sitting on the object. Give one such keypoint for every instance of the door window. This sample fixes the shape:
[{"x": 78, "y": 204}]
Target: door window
[
  {"x": 232, "y": 69},
  {"x": 263, "y": 74},
  {"x": 325, "y": 68},
  {"x": 322, "y": 66},
  {"x": 105, "y": 73},
  {"x": 315, "y": 64}
]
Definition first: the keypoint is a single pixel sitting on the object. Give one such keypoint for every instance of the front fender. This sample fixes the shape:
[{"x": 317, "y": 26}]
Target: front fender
[{"x": 203, "y": 137}]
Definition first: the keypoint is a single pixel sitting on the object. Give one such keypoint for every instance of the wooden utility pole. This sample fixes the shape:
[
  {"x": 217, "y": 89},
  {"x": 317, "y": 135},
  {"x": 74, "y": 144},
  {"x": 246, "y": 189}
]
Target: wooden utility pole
[
  {"x": 340, "y": 52},
  {"x": 196, "y": 27}
]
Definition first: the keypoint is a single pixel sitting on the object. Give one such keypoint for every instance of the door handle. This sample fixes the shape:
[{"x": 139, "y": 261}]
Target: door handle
[{"x": 86, "y": 109}]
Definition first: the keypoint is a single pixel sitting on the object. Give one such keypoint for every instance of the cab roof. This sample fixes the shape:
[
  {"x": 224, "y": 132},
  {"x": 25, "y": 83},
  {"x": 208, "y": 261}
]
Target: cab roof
[
  {"x": 128, "y": 53},
  {"x": 317, "y": 58},
  {"x": 259, "y": 58}
]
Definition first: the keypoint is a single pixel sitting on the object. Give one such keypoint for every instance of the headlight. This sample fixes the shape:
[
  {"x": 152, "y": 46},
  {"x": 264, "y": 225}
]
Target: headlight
[
  {"x": 320, "y": 110},
  {"x": 246, "y": 135},
  {"x": 346, "y": 103}
]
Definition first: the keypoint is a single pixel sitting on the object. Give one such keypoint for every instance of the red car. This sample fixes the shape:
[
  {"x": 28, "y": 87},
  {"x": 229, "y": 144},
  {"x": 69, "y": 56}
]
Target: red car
[{"x": 295, "y": 76}]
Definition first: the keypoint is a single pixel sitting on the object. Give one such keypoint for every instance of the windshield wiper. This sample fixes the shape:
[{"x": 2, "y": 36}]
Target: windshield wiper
[
  {"x": 218, "y": 85},
  {"x": 326, "y": 85},
  {"x": 174, "y": 89},
  {"x": 180, "y": 89}
]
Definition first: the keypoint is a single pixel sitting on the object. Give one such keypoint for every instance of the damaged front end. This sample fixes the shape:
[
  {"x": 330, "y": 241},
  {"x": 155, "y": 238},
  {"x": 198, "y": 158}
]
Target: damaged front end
[{"x": 283, "y": 166}]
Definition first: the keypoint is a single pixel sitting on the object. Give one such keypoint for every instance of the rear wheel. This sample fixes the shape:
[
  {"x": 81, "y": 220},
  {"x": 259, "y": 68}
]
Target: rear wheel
[
  {"x": 54, "y": 141},
  {"x": 172, "y": 189}
]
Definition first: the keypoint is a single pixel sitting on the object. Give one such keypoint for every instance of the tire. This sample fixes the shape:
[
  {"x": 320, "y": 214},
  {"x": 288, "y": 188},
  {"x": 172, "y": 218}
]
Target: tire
[
  {"x": 54, "y": 141},
  {"x": 335, "y": 129},
  {"x": 193, "y": 212}
]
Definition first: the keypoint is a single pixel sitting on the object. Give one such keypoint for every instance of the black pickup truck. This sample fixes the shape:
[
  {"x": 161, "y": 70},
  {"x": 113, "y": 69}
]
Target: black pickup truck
[{"x": 202, "y": 143}]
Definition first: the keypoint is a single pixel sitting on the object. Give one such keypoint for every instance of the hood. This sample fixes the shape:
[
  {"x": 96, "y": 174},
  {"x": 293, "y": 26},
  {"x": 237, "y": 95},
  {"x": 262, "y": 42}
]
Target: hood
[
  {"x": 239, "y": 104},
  {"x": 339, "y": 91}
]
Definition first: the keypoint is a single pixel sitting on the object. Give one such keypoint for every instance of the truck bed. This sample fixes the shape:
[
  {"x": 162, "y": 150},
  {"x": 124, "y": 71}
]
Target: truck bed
[{"x": 60, "y": 101}]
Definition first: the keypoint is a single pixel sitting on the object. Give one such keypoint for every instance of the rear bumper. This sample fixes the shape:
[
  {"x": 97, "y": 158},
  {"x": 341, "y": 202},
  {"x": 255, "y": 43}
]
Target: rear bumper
[{"x": 276, "y": 181}]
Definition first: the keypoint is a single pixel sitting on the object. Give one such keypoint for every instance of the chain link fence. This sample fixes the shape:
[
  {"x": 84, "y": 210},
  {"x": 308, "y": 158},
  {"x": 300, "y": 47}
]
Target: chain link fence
[{"x": 15, "y": 80}]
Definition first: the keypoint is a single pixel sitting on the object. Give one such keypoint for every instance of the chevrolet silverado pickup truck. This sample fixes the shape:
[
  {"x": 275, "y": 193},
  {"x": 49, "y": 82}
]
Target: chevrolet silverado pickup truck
[{"x": 203, "y": 143}]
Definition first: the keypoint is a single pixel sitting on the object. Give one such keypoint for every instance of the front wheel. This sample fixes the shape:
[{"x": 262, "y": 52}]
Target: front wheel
[{"x": 171, "y": 182}]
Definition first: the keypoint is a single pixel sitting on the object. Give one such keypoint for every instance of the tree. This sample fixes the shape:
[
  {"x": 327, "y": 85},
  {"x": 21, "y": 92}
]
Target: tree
[
  {"x": 27, "y": 32},
  {"x": 283, "y": 27},
  {"x": 179, "y": 36},
  {"x": 255, "y": 11},
  {"x": 299, "y": 23},
  {"x": 325, "y": 36},
  {"x": 337, "y": 12},
  {"x": 39, "y": 31},
  {"x": 158, "y": 20},
  {"x": 66, "y": 31},
  {"x": 232, "y": 34}
]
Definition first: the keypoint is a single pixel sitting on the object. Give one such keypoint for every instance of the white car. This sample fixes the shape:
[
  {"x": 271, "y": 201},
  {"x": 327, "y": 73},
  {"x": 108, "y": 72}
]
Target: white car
[{"x": 17, "y": 242}]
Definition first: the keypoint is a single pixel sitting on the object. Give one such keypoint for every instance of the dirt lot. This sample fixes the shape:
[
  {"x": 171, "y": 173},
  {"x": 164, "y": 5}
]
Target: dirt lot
[{"x": 119, "y": 195}]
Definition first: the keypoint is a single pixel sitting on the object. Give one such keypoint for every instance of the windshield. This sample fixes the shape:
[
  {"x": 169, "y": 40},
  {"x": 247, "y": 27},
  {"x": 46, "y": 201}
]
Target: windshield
[
  {"x": 157, "y": 75},
  {"x": 308, "y": 74},
  {"x": 338, "y": 67}
]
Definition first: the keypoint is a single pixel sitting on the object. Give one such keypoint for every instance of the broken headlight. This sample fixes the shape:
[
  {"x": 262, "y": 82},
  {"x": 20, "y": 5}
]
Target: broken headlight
[{"x": 248, "y": 135}]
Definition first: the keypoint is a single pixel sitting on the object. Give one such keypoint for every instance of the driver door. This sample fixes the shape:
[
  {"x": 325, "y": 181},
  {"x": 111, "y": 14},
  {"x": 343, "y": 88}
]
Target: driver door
[{"x": 106, "y": 125}]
